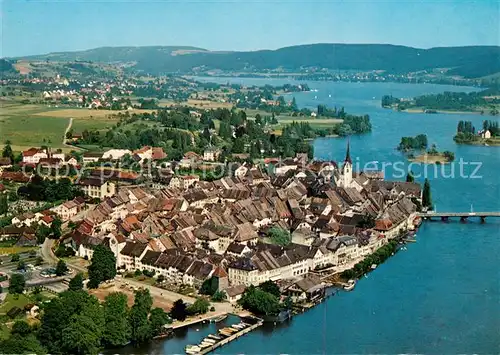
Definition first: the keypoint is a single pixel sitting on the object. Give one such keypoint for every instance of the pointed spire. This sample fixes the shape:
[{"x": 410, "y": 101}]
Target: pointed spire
[{"x": 348, "y": 153}]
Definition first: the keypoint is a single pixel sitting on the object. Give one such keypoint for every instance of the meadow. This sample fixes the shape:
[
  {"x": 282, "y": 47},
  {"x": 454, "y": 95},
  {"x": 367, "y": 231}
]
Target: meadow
[{"x": 32, "y": 125}]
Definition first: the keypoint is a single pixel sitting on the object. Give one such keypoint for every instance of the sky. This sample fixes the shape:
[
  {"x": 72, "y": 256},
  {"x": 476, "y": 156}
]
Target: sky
[{"x": 38, "y": 27}]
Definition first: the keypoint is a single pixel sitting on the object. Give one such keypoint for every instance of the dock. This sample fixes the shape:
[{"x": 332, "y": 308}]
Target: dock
[{"x": 231, "y": 337}]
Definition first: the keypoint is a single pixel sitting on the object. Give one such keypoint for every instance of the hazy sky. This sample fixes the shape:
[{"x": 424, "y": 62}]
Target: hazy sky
[{"x": 36, "y": 27}]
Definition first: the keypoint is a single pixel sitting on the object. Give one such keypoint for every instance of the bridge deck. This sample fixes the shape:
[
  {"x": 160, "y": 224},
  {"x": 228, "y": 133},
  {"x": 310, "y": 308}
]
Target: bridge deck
[{"x": 460, "y": 214}]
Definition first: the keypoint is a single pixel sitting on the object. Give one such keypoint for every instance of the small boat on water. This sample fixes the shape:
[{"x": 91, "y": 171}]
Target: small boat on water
[
  {"x": 215, "y": 337},
  {"x": 350, "y": 285},
  {"x": 374, "y": 266},
  {"x": 208, "y": 340},
  {"x": 219, "y": 318}
]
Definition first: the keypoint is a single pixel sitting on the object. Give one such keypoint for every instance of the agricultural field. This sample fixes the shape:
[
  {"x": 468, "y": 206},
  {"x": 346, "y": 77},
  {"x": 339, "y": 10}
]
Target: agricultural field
[
  {"x": 21, "y": 125},
  {"x": 36, "y": 125},
  {"x": 206, "y": 104}
]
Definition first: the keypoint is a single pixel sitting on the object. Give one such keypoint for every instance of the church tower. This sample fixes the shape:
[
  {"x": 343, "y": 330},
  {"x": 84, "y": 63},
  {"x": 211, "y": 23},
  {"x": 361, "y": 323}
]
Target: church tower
[{"x": 346, "y": 175}]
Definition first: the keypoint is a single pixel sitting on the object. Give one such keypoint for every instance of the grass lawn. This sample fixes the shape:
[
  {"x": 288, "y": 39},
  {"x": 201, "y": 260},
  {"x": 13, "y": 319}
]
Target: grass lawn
[{"x": 13, "y": 301}]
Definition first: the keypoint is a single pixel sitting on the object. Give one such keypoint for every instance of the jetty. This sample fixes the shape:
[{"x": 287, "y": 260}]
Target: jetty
[{"x": 225, "y": 336}]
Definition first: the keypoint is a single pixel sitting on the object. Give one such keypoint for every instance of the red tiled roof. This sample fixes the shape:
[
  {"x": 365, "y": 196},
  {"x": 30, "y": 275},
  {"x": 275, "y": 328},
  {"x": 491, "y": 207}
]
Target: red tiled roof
[
  {"x": 30, "y": 152},
  {"x": 219, "y": 272},
  {"x": 158, "y": 153},
  {"x": 47, "y": 219}
]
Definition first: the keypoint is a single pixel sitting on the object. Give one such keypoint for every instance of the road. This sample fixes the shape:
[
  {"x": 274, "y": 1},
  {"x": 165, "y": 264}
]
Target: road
[{"x": 47, "y": 253}]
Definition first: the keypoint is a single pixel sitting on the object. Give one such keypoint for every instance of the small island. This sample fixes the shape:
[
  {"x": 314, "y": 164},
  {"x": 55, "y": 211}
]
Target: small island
[
  {"x": 482, "y": 102},
  {"x": 415, "y": 150},
  {"x": 488, "y": 136}
]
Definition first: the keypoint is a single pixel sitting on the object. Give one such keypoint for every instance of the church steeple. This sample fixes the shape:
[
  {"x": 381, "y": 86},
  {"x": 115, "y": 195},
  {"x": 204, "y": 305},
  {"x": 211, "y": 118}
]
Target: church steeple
[
  {"x": 346, "y": 174},
  {"x": 348, "y": 153}
]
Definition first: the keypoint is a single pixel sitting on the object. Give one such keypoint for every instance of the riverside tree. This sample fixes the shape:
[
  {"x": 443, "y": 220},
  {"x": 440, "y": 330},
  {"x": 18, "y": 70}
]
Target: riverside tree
[
  {"x": 117, "y": 331},
  {"x": 72, "y": 323},
  {"x": 426, "y": 195},
  {"x": 179, "y": 310},
  {"x": 409, "y": 177},
  {"x": 103, "y": 266},
  {"x": 138, "y": 317},
  {"x": 158, "y": 318}
]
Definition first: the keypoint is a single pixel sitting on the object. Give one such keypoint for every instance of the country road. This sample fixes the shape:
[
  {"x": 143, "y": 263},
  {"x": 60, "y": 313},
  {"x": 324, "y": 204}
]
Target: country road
[{"x": 70, "y": 123}]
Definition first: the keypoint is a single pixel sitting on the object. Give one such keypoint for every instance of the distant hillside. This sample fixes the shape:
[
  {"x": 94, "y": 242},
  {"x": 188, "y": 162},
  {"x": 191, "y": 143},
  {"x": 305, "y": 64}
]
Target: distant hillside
[
  {"x": 6, "y": 66},
  {"x": 117, "y": 54},
  {"x": 471, "y": 61}
]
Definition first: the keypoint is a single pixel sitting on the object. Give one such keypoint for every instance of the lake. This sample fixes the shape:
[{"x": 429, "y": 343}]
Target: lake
[{"x": 441, "y": 295}]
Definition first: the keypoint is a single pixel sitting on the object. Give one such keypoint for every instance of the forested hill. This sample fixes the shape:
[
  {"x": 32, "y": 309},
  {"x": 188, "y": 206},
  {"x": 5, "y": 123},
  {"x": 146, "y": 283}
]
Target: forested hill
[{"x": 471, "y": 61}]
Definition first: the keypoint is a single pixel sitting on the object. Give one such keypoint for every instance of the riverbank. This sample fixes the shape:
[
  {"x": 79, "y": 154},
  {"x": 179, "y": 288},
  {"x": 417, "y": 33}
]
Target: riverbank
[
  {"x": 490, "y": 142},
  {"x": 430, "y": 111}
]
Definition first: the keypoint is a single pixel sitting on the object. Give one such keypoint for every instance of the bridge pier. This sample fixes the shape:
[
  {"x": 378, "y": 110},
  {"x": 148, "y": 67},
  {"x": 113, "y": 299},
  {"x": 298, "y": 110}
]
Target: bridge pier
[
  {"x": 444, "y": 218},
  {"x": 483, "y": 219},
  {"x": 463, "y": 219}
]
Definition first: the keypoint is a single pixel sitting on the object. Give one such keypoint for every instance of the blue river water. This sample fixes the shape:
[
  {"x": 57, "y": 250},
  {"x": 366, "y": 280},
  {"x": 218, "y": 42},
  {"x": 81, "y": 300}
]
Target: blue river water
[{"x": 441, "y": 295}]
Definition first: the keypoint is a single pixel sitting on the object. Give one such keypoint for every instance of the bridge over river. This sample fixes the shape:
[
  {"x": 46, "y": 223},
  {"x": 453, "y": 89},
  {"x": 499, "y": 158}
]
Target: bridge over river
[{"x": 462, "y": 215}]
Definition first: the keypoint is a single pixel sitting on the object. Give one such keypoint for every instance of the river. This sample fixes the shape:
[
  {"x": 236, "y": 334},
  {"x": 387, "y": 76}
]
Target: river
[{"x": 441, "y": 295}]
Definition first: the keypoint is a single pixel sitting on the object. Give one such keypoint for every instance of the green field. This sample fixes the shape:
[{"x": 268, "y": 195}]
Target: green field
[{"x": 21, "y": 125}]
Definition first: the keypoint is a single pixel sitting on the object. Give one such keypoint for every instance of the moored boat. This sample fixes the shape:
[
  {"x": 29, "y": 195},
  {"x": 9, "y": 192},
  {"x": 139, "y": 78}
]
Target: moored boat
[
  {"x": 350, "y": 285},
  {"x": 219, "y": 318}
]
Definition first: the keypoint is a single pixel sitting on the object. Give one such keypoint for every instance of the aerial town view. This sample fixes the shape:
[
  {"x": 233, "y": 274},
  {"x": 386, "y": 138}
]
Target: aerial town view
[{"x": 198, "y": 177}]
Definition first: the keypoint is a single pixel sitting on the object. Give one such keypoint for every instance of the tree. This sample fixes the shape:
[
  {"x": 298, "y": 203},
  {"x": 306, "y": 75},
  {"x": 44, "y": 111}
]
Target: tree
[
  {"x": 72, "y": 323},
  {"x": 7, "y": 151},
  {"x": 4, "y": 205},
  {"x": 219, "y": 296},
  {"x": 117, "y": 330},
  {"x": 55, "y": 228},
  {"x": 103, "y": 266},
  {"x": 21, "y": 327},
  {"x": 179, "y": 310},
  {"x": 41, "y": 233},
  {"x": 138, "y": 318},
  {"x": 258, "y": 301},
  {"x": 270, "y": 287},
  {"x": 209, "y": 286},
  {"x": 200, "y": 306},
  {"x": 21, "y": 265},
  {"x": 61, "y": 268},
  {"x": 84, "y": 331},
  {"x": 17, "y": 283},
  {"x": 279, "y": 236},
  {"x": 426, "y": 195},
  {"x": 409, "y": 177},
  {"x": 22, "y": 340},
  {"x": 76, "y": 283},
  {"x": 14, "y": 258},
  {"x": 158, "y": 318}
]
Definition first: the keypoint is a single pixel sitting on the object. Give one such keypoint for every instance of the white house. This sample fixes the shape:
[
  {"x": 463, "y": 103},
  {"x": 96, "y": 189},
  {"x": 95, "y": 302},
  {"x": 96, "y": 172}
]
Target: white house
[{"x": 115, "y": 154}]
